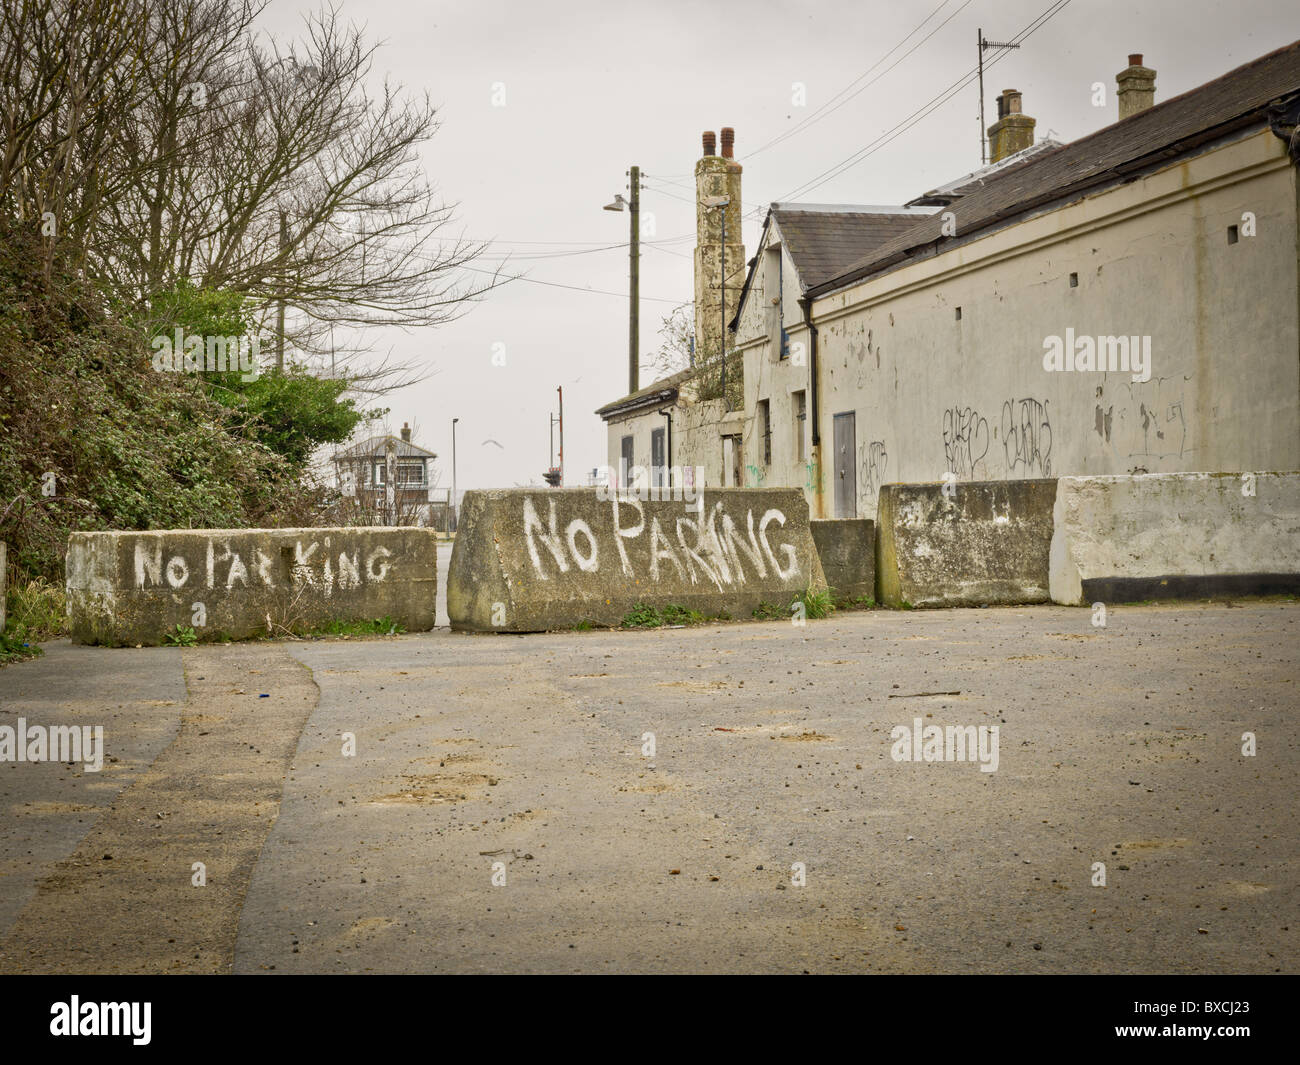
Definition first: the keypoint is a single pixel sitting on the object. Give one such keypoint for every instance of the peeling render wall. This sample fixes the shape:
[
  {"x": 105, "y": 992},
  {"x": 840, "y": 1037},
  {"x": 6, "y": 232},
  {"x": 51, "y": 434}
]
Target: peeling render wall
[
  {"x": 770, "y": 377},
  {"x": 932, "y": 393}
]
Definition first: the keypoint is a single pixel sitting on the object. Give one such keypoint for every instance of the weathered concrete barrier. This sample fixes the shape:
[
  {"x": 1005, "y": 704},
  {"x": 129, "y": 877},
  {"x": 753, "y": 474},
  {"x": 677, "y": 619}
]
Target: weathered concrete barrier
[
  {"x": 964, "y": 544},
  {"x": 1175, "y": 535},
  {"x": 133, "y": 587},
  {"x": 847, "y": 550},
  {"x": 531, "y": 560}
]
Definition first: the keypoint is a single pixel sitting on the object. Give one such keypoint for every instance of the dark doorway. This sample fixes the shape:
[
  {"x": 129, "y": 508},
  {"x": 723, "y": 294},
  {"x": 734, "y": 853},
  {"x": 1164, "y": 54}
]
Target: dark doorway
[{"x": 846, "y": 474}]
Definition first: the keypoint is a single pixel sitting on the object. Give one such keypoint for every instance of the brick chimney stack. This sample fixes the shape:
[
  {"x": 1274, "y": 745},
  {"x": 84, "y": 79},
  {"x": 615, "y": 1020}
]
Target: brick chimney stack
[
  {"x": 1137, "y": 87},
  {"x": 716, "y": 176},
  {"x": 1013, "y": 131}
]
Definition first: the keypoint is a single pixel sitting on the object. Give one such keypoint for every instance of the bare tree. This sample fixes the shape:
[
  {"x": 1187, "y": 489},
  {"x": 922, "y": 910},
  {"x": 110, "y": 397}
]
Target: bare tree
[
  {"x": 172, "y": 144},
  {"x": 675, "y": 353}
]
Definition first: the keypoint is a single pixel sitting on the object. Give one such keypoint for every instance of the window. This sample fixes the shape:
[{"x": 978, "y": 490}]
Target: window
[
  {"x": 733, "y": 461},
  {"x": 657, "y": 459},
  {"x": 780, "y": 304},
  {"x": 799, "y": 407},
  {"x": 380, "y": 474},
  {"x": 410, "y": 474},
  {"x": 1074, "y": 280},
  {"x": 775, "y": 283},
  {"x": 958, "y": 316},
  {"x": 765, "y": 427},
  {"x": 625, "y": 462},
  {"x": 1233, "y": 235}
]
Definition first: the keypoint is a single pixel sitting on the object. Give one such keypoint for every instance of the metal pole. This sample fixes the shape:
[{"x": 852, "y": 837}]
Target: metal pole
[
  {"x": 634, "y": 287},
  {"x": 451, "y": 510},
  {"x": 983, "y": 142},
  {"x": 560, "y": 390}
]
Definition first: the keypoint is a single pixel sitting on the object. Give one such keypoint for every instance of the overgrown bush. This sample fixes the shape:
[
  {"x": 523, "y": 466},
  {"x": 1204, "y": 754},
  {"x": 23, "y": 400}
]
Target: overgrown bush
[{"x": 91, "y": 437}]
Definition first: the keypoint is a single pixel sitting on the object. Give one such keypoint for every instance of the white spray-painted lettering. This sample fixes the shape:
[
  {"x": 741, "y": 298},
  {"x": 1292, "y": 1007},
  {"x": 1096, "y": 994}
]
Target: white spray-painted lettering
[
  {"x": 315, "y": 564},
  {"x": 712, "y": 548}
]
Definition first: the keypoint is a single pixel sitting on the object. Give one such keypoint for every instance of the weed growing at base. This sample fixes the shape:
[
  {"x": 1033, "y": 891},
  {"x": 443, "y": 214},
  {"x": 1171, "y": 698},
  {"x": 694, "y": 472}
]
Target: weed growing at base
[
  {"x": 384, "y": 626},
  {"x": 644, "y": 616},
  {"x": 816, "y": 604},
  {"x": 181, "y": 636}
]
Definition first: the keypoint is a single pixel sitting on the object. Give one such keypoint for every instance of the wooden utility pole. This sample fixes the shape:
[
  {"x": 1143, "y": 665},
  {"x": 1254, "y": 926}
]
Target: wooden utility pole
[
  {"x": 279, "y": 340},
  {"x": 634, "y": 289},
  {"x": 560, "y": 390}
]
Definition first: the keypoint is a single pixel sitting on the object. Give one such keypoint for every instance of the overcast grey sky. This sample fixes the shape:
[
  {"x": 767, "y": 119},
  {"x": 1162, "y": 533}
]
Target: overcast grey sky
[{"x": 591, "y": 88}]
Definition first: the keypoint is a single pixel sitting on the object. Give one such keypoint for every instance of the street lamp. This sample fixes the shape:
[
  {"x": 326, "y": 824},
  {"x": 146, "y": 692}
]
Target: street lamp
[
  {"x": 722, "y": 203},
  {"x": 451, "y": 520},
  {"x": 634, "y": 277}
]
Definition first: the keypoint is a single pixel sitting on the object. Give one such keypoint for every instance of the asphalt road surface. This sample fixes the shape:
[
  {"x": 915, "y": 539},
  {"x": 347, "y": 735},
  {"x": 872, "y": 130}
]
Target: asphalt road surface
[{"x": 724, "y": 798}]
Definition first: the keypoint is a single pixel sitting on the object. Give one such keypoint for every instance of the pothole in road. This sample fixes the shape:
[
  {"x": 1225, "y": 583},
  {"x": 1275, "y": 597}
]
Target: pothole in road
[{"x": 433, "y": 788}]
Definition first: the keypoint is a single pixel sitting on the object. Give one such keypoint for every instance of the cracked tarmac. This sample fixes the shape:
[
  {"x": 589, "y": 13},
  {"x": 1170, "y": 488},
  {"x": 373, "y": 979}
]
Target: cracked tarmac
[{"x": 524, "y": 760}]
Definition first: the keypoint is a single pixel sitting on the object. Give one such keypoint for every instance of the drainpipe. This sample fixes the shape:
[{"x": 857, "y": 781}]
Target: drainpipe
[
  {"x": 805, "y": 304},
  {"x": 668, "y": 448}
]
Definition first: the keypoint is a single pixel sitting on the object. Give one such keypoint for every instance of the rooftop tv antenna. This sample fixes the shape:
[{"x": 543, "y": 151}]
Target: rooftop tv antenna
[{"x": 983, "y": 45}]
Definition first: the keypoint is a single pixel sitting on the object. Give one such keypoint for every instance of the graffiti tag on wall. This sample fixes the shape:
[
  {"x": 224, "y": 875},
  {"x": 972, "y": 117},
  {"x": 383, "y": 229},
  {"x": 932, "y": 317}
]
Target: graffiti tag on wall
[
  {"x": 1027, "y": 438},
  {"x": 965, "y": 440},
  {"x": 873, "y": 461}
]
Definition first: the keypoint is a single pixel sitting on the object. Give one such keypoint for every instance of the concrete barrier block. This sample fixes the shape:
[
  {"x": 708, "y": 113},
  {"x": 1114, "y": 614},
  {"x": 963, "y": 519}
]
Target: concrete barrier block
[
  {"x": 964, "y": 544},
  {"x": 532, "y": 560},
  {"x": 1175, "y": 535},
  {"x": 127, "y": 588},
  {"x": 847, "y": 550}
]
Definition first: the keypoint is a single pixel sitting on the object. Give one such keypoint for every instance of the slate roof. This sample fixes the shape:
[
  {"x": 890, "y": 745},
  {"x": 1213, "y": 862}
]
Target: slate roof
[
  {"x": 824, "y": 244},
  {"x": 967, "y": 183},
  {"x": 662, "y": 391},
  {"x": 375, "y": 447},
  {"x": 1117, "y": 153}
]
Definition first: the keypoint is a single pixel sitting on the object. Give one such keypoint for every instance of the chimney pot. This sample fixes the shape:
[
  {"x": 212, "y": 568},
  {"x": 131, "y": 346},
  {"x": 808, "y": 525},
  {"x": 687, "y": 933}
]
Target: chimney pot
[
  {"x": 406, "y": 432},
  {"x": 1136, "y": 85},
  {"x": 728, "y": 142},
  {"x": 1013, "y": 131},
  {"x": 710, "y": 143}
]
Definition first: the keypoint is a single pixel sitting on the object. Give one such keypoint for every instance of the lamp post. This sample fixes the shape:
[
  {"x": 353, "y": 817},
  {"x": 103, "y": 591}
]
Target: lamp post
[
  {"x": 634, "y": 277},
  {"x": 451, "y": 520},
  {"x": 722, "y": 203}
]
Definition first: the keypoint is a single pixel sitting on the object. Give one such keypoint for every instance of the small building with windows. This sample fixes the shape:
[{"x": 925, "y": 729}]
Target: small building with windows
[
  {"x": 661, "y": 427},
  {"x": 366, "y": 471}
]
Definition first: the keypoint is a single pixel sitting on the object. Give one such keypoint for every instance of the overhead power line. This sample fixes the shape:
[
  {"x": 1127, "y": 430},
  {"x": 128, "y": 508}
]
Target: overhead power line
[
  {"x": 924, "y": 110},
  {"x": 558, "y": 284},
  {"x": 831, "y": 105}
]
